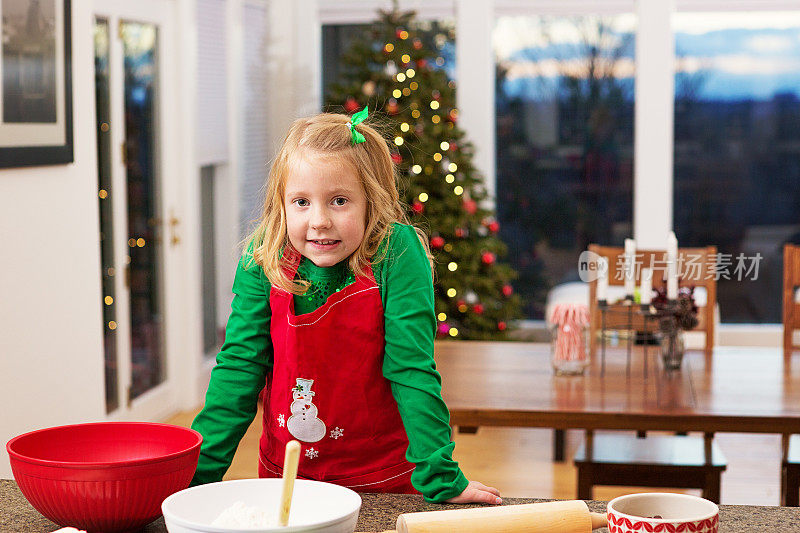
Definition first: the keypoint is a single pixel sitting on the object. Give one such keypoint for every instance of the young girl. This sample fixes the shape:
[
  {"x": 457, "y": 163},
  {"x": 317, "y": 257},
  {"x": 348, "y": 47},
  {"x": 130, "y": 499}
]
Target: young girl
[{"x": 333, "y": 311}]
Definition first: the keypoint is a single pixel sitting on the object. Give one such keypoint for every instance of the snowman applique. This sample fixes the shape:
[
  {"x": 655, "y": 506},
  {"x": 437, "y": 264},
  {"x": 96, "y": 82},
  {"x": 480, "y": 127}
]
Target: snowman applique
[{"x": 304, "y": 424}]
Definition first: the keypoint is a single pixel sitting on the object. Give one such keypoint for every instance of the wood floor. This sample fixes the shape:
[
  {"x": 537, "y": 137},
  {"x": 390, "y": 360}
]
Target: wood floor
[{"x": 518, "y": 462}]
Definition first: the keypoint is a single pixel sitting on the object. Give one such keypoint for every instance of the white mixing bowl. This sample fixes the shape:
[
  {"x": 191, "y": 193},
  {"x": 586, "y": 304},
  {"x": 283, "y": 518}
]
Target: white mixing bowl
[{"x": 316, "y": 506}]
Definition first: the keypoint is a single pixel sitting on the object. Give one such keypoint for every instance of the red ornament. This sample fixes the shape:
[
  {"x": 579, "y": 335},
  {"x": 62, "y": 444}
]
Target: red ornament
[
  {"x": 459, "y": 232},
  {"x": 350, "y": 105},
  {"x": 470, "y": 206},
  {"x": 501, "y": 326},
  {"x": 437, "y": 242},
  {"x": 478, "y": 308},
  {"x": 417, "y": 44},
  {"x": 398, "y": 32},
  {"x": 453, "y": 146},
  {"x": 494, "y": 226},
  {"x": 396, "y": 158},
  {"x": 444, "y": 328},
  {"x": 392, "y": 107},
  {"x": 488, "y": 258},
  {"x": 422, "y": 63},
  {"x": 452, "y": 116},
  {"x": 508, "y": 290},
  {"x": 418, "y": 207},
  {"x": 461, "y": 303}
]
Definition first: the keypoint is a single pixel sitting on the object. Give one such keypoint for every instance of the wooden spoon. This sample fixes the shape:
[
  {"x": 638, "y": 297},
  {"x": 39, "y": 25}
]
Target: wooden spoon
[{"x": 290, "y": 460}]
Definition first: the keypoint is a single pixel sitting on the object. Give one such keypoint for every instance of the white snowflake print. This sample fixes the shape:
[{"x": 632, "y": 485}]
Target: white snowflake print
[
  {"x": 281, "y": 420},
  {"x": 336, "y": 433},
  {"x": 311, "y": 453}
]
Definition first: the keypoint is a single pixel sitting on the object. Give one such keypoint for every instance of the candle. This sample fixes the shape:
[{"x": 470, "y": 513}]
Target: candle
[
  {"x": 630, "y": 279},
  {"x": 647, "y": 286},
  {"x": 672, "y": 266},
  {"x": 602, "y": 279}
]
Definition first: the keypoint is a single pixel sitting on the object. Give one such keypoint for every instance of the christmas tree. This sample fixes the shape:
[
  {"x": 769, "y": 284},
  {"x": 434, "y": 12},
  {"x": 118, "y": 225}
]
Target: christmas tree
[{"x": 399, "y": 70}]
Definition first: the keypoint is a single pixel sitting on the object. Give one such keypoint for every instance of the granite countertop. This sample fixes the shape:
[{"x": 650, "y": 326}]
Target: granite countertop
[{"x": 379, "y": 512}]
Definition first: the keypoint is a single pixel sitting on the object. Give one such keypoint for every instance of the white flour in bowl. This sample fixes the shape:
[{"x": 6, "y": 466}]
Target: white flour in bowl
[{"x": 240, "y": 515}]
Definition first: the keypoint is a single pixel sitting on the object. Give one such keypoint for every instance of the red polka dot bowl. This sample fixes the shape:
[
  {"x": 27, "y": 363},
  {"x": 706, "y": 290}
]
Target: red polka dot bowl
[{"x": 658, "y": 512}]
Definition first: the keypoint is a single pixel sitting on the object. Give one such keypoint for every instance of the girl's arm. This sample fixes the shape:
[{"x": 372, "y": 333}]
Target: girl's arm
[
  {"x": 238, "y": 377},
  {"x": 410, "y": 324}
]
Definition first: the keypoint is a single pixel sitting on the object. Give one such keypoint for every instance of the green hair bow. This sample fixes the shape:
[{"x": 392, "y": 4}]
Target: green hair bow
[{"x": 358, "y": 118}]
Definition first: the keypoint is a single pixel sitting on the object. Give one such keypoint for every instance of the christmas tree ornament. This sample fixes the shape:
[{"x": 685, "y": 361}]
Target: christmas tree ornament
[
  {"x": 483, "y": 231},
  {"x": 421, "y": 63},
  {"x": 460, "y": 233},
  {"x": 418, "y": 207},
  {"x": 488, "y": 258},
  {"x": 508, "y": 290},
  {"x": 397, "y": 158},
  {"x": 444, "y": 328},
  {"x": 477, "y": 309},
  {"x": 350, "y": 105},
  {"x": 470, "y": 206},
  {"x": 391, "y": 106},
  {"x": 368, "y": 88},
  {"x": 417, "y": 44},
  {"x": 390, "y": 69},
  {"x": 501, "y": 326},
  {"x": 471, "y": 298},
  {"x": 494, "y": 226},
  {"x": 437, "y": 242}
]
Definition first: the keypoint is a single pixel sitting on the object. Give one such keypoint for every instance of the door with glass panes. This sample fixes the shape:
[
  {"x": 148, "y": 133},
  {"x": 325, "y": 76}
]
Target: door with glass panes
[{"x": 140, "y": 232}]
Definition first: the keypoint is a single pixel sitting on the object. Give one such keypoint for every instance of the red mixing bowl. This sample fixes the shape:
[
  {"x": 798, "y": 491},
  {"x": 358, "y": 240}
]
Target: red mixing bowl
[{"x": 105, "y": 476}]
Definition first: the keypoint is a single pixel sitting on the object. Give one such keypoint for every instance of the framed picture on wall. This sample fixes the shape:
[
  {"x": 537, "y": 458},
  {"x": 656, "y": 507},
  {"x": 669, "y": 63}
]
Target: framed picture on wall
[{"x": 35, "y": 70}]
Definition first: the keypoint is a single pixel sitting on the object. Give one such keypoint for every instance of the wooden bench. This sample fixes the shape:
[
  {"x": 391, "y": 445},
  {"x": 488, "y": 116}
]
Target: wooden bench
[
  {"x": 790, "y": 474},
  {"x": 656, "y": 461}
]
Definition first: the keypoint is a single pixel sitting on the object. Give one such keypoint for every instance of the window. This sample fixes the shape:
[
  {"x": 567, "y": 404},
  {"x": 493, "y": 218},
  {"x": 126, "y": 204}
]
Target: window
[
  {"x": 564, "y": 142},
  {"x": 737, "y": 150}
]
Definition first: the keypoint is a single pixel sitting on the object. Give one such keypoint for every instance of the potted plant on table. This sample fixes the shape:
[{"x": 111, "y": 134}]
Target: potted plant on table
[{"x": 675, "y": 318}]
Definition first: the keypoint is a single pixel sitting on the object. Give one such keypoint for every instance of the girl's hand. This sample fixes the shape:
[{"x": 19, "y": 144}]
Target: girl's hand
[{"x": 477, "y": 492}]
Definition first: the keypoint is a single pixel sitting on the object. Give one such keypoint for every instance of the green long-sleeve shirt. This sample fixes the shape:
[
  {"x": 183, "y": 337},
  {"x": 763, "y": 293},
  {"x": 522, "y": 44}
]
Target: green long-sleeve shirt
[{"x": 406, "y": 289}]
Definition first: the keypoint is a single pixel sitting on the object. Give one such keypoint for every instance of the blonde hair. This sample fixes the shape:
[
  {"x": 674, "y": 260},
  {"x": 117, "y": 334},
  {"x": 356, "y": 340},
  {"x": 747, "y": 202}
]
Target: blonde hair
[{"x": 328, "y": 135}]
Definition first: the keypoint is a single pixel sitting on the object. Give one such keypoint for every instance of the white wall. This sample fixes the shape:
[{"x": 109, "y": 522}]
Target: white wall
[{"x": 51, "y": 353}]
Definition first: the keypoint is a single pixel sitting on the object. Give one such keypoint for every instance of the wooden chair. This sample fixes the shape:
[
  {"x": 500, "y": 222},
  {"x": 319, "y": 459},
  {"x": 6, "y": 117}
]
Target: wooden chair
[
  {"x": 616, "y": 459},
  {"x": 696, "y": 268},
  {"x": 791, "y": 309}
]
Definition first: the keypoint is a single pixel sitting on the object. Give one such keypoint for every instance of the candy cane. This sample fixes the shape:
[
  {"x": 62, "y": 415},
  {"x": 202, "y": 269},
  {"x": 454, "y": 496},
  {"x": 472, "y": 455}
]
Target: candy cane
[{"x": 571, "y": 319}]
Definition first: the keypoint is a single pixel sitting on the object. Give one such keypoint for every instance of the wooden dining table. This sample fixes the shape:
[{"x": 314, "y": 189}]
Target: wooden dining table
[{"x": 740, "y": 390}]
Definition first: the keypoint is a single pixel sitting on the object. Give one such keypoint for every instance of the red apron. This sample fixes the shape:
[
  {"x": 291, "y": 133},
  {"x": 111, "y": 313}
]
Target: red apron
[{"x": 327, "y": 391}]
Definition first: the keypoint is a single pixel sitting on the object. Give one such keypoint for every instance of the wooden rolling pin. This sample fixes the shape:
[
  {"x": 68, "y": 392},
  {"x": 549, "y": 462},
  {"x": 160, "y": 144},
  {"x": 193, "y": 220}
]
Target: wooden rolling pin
[{"x": 550, "y": 517}]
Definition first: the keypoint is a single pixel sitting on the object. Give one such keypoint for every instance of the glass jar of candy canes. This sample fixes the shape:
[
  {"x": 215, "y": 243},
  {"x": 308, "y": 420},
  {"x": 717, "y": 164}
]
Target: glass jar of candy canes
[{"x": 569, "y": 344}]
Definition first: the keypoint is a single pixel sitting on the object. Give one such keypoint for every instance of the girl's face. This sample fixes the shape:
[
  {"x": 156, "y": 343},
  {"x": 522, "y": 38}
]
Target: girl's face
[{"x": 325, "y": 209}]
